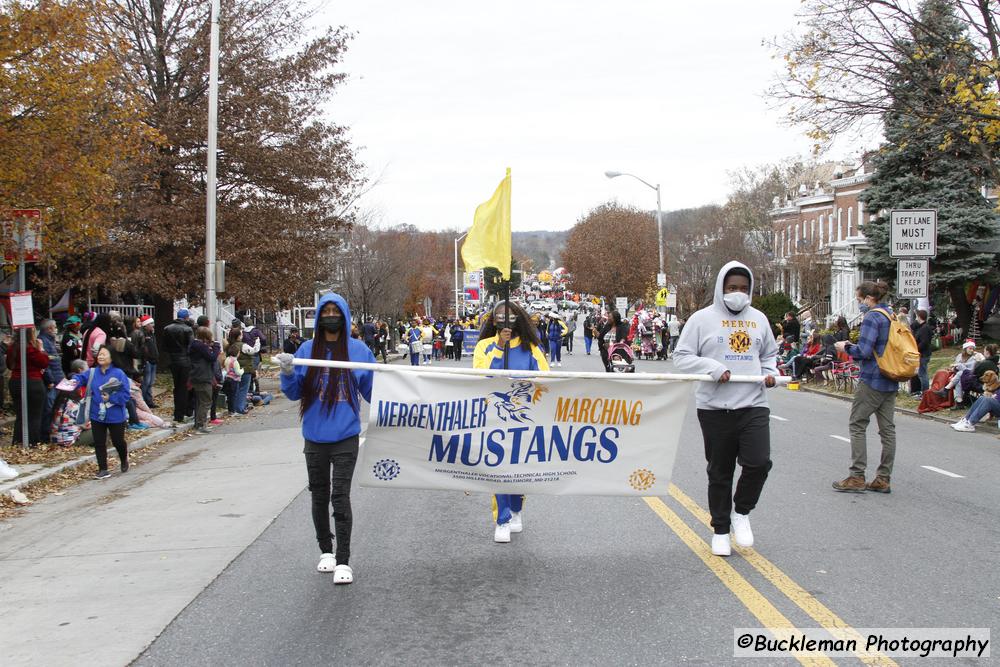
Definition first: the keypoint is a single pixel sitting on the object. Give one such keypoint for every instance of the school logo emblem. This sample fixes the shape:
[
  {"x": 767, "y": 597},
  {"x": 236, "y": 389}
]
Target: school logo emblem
[
  {"x": 515, "y": 404},
  {"x": 386, "y": 470},
  {"x": 739, "y": 341},
  {"x": 641, "y": 479}
]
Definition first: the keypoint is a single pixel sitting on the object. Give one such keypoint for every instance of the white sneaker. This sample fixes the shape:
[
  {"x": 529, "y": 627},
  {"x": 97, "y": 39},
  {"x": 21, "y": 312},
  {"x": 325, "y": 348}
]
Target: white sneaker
[
  {"x": 502, "y": 533},
  {"x": 964, "y": 426},
  {"x": 6, "y": 471},
  {"x": 327, "y": 563},
  {"x": 516, "y": 526},
  {"x": 721, "y": 546},
  {"x": 740, "y": 524}
]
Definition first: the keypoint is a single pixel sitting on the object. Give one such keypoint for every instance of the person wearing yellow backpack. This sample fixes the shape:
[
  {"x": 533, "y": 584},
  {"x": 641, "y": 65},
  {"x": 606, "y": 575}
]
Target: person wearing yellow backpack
[{"x": 875, "y": 393}]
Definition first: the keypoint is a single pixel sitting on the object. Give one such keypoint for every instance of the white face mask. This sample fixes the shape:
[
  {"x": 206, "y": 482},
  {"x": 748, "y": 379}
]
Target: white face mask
[{"x": 736, "y": 301}]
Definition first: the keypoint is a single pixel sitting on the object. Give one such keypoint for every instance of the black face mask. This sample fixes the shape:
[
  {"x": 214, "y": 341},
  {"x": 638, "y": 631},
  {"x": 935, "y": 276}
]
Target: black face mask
[{"x": 331, "y": 324}]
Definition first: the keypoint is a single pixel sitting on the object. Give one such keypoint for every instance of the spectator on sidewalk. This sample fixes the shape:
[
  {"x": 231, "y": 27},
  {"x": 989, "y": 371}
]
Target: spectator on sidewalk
[
  {"x": 293, "y": 342},
  {"x": 330, "y": 409},
  {"x": 248, "y": 356},
  {"x": 734, "y": 418},
  {"x": 843, "y": 332},
  {"x": 71, "y": 346},
  {"x": 38, "y": 364},
  {"x": 203, "y": 357},
  {"x": 923, "y": 335},
  {"x": 985, "y": 405},
  {"x": 96, "y": 336},
  {"x": 875, "y": 394},
  {"x": 963, "y": 370},
  {"x": 790, "y": 327},
  {"x": 109, "y": 394},
  {"x": 48, "y": 332},
  {"x": 150, "y": 356},
  {"x": 232, "y": 374},
  {"x": 177, "y": 337},
  {"x": 589, "y": 328}
]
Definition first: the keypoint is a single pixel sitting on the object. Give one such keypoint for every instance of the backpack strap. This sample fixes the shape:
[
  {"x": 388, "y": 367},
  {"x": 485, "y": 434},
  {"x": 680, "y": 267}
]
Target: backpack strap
[{"x": 884, "y": 312}]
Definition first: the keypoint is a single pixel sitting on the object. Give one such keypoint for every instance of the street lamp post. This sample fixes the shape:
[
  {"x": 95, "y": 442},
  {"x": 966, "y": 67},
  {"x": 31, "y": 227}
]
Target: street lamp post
[
  {"x": 456, "y": 272},
  {"x": 659, "y": 213},
  {"x": 211, "y": 301}
]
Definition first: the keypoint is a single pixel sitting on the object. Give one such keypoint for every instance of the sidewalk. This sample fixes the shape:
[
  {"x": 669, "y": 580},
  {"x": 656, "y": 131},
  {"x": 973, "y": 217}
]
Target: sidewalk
[
  {"x": 946, "y": 416},
  {"x": 92, "y": 577}
]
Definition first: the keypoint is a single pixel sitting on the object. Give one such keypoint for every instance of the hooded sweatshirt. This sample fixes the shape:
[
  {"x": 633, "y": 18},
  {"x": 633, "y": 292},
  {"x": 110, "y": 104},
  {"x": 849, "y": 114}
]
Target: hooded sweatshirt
[
  {"x": 716, "y": 340},
  {"x": 343, "y": 420}
]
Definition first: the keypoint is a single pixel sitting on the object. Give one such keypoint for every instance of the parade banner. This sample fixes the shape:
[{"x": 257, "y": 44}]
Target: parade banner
[{"x": 534, "y": 435}]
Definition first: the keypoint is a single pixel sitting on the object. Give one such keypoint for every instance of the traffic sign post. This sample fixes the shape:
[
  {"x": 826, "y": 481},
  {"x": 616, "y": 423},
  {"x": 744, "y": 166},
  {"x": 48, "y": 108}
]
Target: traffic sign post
[
  {"x": 913, "y": 233},
  {"x": 661, "y": 297},
  {"x": 661, "y": 280},
  {"x": 621, "y": 304},
  {"x": 912, "y": 278}
]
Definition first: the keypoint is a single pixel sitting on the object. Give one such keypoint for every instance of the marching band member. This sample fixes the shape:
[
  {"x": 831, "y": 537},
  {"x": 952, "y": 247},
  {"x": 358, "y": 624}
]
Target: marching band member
[
  {"x": 732, "y": 336},
  {"x": 330, "y": 413},
  {"x": 508, "y": 323}
]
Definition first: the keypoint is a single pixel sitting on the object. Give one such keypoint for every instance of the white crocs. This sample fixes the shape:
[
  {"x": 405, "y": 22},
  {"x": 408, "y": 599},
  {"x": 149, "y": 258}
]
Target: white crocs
[
  {"x": 327, "y": 563},
  {"x": 343, "y": 574}
]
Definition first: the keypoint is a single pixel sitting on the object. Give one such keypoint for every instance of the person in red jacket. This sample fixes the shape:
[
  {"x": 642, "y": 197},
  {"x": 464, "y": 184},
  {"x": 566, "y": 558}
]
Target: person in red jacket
[{"x": 38, "y": 362}]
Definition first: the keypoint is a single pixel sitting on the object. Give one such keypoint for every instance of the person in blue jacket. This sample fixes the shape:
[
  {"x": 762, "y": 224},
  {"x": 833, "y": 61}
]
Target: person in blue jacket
[
  {"x": 508, "y": 330},
  {"x": 108, "y": 395},
  {"x": 330, "y": 408},
  {"x": 413, "y": 340}
]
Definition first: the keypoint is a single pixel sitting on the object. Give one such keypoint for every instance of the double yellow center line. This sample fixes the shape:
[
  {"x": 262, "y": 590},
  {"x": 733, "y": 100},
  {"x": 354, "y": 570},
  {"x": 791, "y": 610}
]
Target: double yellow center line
[{"x": 754, "y": 600}]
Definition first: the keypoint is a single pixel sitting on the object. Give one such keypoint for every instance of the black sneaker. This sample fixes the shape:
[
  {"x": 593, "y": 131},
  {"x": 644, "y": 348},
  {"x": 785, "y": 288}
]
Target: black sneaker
[
  {"x": 102, "y": 474},
  {"x": 125, "y": 465}
]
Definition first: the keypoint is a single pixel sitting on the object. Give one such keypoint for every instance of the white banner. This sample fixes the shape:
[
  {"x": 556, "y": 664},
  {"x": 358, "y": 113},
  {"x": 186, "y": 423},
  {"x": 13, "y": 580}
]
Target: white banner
[{"x": 532, "y": 436}]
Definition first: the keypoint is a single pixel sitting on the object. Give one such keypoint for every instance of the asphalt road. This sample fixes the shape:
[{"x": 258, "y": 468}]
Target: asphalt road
[{"x": 622, "y": 580}]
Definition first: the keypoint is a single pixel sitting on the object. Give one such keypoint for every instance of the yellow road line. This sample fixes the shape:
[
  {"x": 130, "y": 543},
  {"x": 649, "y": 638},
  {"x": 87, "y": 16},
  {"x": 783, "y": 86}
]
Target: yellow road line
[
  {"x": 835, "y": 625},
  {"x": 752, "y": 599}
]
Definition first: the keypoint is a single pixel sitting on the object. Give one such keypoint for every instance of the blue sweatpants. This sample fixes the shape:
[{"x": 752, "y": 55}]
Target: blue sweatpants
[
  {"x": 555, "y": 350},
  {"x": 504, "y": 505}
]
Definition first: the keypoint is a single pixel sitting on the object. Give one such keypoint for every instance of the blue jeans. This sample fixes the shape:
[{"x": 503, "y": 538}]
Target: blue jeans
[
  {"x": 983, "y": 406},
  {"x": 241, "y": 392},
  {"x": 555, "y": 350},
  {"x": 922, "y": 373},
  {"x": 414, "y": 358},
  {"x": 148, "y": 378},
  {"x": 587, "y": 342},
  {"x": 506, "y": 504},
  {"x": 50, "y": 401}
]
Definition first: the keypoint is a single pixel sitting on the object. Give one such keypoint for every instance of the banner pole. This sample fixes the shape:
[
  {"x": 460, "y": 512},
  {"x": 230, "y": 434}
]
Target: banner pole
[
  {"x": 498, "y": 372},
  {"x": 506, "y": 309}
]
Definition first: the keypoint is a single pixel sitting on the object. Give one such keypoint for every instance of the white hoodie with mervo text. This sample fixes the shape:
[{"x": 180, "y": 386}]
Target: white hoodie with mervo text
[{"x": 716, "y": 340}]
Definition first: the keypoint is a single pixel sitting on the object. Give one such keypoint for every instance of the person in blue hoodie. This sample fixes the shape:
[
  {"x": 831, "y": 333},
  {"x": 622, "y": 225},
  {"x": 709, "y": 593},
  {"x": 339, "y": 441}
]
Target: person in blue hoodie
[
  {"x": 732, "y": 337},
  {"x": 330, "y": 409},
  {"x": 109, "y": 392}
]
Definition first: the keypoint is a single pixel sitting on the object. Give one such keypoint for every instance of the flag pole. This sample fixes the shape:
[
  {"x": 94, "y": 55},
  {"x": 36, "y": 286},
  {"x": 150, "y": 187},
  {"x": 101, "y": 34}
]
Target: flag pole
[{"x": 506, "y": 308}]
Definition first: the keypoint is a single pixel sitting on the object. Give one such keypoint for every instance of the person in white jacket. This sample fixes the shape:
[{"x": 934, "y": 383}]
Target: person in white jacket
[{"x": 730, "y": 337}]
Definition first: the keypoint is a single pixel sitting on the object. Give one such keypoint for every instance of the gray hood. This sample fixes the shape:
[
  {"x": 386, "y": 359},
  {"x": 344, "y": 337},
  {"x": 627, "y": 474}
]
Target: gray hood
[{"x": 721, "y": 278}]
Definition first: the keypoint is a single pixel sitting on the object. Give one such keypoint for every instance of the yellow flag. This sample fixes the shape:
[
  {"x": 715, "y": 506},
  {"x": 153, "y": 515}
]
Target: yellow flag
[{"x": 488, "y": 242}]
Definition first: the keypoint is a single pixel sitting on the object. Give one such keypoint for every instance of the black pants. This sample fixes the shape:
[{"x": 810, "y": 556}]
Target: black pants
[
  {"x": 457, "y": 350},
  {"x": 101, "y": 431},
  {"x": 213, "y": 409},
  {"x": 742, "y": 435},
  {"x": 180, "y": 375},
  {"x": 36, "y": 406},
  {"x": 229, "y": 388},
  {"x": 326, "y": 463}
]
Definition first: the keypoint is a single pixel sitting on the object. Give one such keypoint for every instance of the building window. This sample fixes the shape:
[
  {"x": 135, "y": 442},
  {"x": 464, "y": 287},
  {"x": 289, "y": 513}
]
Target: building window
[
  {"x": 821, "y": 220},
  {"x": 849, "y": 212},
  {"x": 839, "y": 227}
]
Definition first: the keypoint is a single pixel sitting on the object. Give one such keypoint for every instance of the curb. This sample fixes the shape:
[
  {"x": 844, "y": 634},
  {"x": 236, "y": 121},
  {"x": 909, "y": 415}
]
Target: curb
[
  {"x": 987, "y": 425},
  {"x": 45, "y": 473}
]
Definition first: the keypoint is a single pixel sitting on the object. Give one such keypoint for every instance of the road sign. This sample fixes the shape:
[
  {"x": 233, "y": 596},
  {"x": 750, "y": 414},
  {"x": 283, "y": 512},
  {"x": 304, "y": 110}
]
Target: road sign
[
  {"x": 661, "y": 280},
  {"x": 671, "y": 299},
  {"x": 911, "y": 278},
  {"x": 31, "y": 218},
  {"x": 22, "y": 314},
  {"x": 661, "y": 296},
  {"x": 913, "y": 233},
  {"x": 621, "y": 304}
]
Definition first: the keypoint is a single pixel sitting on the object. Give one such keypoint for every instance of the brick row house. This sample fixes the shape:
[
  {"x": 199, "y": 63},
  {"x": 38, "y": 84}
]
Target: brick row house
[{"x": 817, "y": 237}]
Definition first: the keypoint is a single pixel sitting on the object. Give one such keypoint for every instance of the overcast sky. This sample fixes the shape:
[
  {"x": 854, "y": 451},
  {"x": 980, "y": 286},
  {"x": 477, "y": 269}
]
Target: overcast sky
[{"x": 444, "y": 96}]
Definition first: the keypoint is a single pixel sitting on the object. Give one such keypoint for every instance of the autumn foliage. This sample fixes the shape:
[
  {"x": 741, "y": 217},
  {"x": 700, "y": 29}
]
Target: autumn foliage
[{"x": 611, "y": 251}]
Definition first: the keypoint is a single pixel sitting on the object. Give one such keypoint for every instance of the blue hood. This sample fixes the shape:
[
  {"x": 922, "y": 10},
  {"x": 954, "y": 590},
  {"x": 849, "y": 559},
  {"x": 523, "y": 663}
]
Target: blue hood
[{"x": 341, "y": 302}]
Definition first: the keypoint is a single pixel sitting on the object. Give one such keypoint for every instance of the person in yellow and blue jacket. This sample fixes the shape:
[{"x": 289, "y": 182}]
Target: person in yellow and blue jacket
[
  {"x": 557, "y": 330},
  {"x": 508, "y": 325}
]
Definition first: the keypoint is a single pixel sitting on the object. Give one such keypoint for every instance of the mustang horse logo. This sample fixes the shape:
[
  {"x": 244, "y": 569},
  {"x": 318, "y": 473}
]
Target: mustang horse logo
[{"x": 515, "y": 404}]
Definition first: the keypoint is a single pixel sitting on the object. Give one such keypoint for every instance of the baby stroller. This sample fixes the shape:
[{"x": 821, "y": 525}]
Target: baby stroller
[{"x": 621, "y": 359}]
